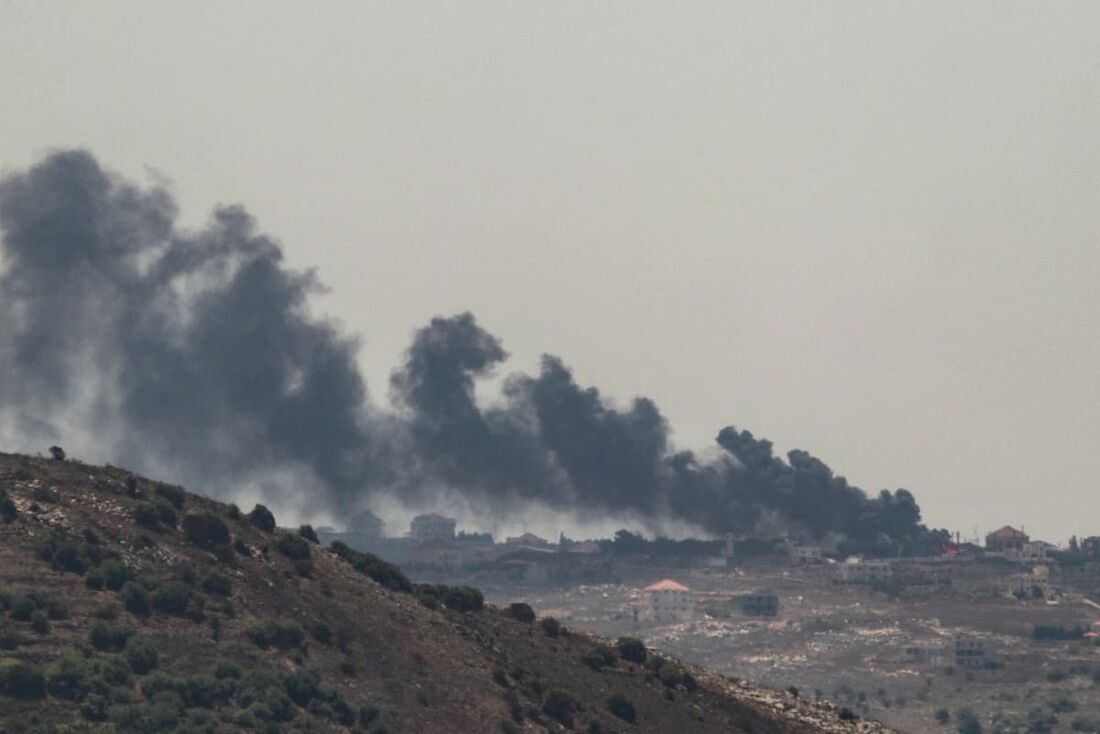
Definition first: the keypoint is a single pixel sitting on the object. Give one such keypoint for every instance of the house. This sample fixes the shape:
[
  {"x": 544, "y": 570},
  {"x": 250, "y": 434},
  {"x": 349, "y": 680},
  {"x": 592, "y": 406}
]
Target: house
[
  {"x": 859, "y": 571},
  {"x": 1033, "y": 551},
  {"x": 1006, "y": 539},
  {"x": 668, "y": 601},
  {"x": 971, "y": 652},
  {"x": 755, "y": 605},
  {"x": 806, "y": 554},
  {"x": 432, "y": 527},
  {"x": 366, "y": 524},
  {"x": 528, "y": 539}
]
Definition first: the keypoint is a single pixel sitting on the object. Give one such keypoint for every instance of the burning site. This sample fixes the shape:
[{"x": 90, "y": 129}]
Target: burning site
[{"x": 535, "y": 368}]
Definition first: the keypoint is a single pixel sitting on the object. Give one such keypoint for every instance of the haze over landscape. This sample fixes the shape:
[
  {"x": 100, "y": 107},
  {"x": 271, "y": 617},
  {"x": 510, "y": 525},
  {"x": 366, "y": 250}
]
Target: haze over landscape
[{"x": 865, "y": 234}]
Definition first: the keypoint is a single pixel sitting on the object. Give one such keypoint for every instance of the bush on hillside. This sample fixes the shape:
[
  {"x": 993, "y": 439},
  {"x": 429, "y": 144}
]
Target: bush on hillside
[
  {"x": 140, "y": 655},
  {"x": 631, "y": 649},
  {"x": 560, "y": 706},
  {"x": 280, "y": 633},
  {"x": 521, "y": 611},
  {"x": 370, "y": 565},
  {"x": 216, "y": 583},
  {"x": 109, "y": 637},
  {"x": 136, "y": 599},
  {"x": 600, "y": 657},
  {"x": 551, "y": 626},
  {"x": 620, "y": 706},
  {"x": 205, "y": 529},
  {"x": 115, "y": 574},
  {"x": 307, "y": 532},
  {"x": 262, "y": 518},
  {"x": 174, "y": 495},
  {"x": 40, "y": 623},
  {"x": 69, "y": 678},
  {"x": 20, "y": 680},
  {"x": 293, "y": 546},
  {"x": 8, "y": 510}
]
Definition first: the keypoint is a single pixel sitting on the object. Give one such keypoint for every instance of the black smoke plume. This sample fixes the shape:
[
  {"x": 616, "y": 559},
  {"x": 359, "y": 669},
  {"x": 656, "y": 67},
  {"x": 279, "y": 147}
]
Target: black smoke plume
[{"x": 195, "y": 354}]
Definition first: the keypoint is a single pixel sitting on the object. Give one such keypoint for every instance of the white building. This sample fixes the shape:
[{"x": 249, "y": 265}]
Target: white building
[
  {"x": 858, "y": 571},
  {"x": 428, "y": 528},
  {"x": 367, "y": 524},
  {"x": 1034, "y": 551},
  {"x": 668, "y": 601},
  {"x": 809, "y": 554}
]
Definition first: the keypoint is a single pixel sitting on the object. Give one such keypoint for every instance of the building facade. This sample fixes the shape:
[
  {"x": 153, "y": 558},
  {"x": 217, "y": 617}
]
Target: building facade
[
  {"x": 432, "y": 528},
  {"x": 667, "y": 602}
]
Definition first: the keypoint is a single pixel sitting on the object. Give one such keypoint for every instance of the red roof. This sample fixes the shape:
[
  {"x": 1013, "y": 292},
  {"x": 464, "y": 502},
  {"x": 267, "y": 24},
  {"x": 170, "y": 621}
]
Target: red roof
[{"x": 666, "y": 585}]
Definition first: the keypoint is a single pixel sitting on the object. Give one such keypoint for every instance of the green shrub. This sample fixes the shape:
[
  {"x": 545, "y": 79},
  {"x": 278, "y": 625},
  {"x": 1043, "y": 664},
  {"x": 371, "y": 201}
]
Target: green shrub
[
  {"x": 600, "y": 657},
  {"x": 262, "y": 518},
  {"x": 8, "y": 510},
  {"x": 216, "y": 583},
  {"x": 136, "y": 599},
  {"x": 293, "y": 546},
  {"x": 368, "y": 715},
  {"x": 140, "y": 655},
  {"x": 175, "y": 496},
  {"x": 146, "y": 515},
  {"x": 109, "y": 637},
  {"x": 20, "y": 680},
  {"x": 560, "y": 706},
  {"x": 322, "y": 632},
  {"x": 22, "y": 609},
  {"x": 551, "y": 626},
  {"x": 302, "y": 686},
  {"x": 370, "y": 565},
  {"x": 67, "y": 557},
  {"x": 115, "y": 574},
  {"x": 107, "y": 610},
  {"x": 205, "y": 529},
  {"x": 69, "y": 678},
  {"x": 113, "y": 670},
  {"x": 620, "y": 706},
  {"x": 226, "y": 670},
  {"x": 9, "y": 639},
  {"x": 307, "y": 532},
  {"x": 56, "y": 610},
  {"x": 521, "y": 611},
  {"x": 95, "y": 707},
  {"x": 631, "y": 649},
  {"x": 175, "y": 598},
  {"x": 94, "y": 580},
  {"x": 40, "y": 623},
  {"x": 232, "y": 511},
  {"x": 280, "y": 633}
]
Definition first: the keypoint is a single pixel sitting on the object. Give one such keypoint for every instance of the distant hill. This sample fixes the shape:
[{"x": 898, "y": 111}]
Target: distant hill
[{"x": 131, "y": 605}]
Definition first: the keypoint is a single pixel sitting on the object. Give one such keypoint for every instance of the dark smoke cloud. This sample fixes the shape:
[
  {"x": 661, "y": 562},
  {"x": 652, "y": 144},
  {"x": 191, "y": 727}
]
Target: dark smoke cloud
[
  {"x": 191, "y": 353},
  {"x": 195, "y": 353}
]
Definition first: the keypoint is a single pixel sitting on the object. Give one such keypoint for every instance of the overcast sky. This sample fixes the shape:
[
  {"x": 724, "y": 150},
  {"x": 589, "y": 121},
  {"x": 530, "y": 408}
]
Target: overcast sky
[{"x": 864, "y": 229}]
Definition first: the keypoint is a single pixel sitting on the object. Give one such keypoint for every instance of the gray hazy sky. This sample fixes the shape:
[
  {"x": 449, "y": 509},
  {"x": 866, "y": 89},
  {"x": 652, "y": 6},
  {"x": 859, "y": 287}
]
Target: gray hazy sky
[{"x": 865, "y": 229}]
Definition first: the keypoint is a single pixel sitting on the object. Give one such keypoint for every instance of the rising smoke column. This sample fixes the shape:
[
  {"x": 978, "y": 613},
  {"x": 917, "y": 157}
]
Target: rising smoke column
[
  {"x": 187, "y": 352},
  {"x": 194, "y": 355}
]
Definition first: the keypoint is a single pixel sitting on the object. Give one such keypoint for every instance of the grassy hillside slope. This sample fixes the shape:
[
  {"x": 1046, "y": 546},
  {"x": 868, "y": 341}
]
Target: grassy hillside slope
[{"x": 131, "y": 605}]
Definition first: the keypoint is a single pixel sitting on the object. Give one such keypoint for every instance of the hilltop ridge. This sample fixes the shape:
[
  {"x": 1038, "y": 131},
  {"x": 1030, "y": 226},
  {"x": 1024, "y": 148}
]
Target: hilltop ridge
[{"x": 132, "y": 605}]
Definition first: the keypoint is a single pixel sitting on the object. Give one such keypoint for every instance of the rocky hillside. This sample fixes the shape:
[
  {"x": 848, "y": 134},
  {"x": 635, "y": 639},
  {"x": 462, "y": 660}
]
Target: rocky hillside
[{"x": 131, "y": 605}]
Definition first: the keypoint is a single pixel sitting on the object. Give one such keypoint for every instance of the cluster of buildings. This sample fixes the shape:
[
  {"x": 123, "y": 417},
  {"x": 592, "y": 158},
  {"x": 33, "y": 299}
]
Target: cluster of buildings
[{"x": 433, "y": 547}]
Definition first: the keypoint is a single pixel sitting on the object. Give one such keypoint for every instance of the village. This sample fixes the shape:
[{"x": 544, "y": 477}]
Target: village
[{"x": 1006, "y": 630}]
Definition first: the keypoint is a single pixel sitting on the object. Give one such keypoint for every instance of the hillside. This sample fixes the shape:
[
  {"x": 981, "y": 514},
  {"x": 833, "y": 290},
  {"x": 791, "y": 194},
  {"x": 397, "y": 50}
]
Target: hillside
[{"x": 131, "y": 605}]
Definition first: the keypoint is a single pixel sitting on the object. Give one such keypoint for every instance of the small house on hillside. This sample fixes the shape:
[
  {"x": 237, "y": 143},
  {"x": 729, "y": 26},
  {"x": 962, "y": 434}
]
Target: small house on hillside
[
  {"x": 1006, "y": 539},
  {"x": 432, "y": 527},
  {"x": 667, "y": 602},
  {"x": 366, "y": 524}
]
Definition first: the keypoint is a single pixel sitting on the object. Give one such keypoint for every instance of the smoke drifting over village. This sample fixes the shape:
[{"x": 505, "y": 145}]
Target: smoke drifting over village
[{"x": 195, "y": 354}]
